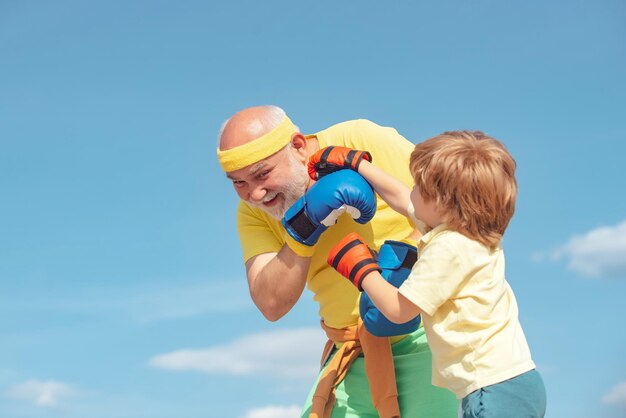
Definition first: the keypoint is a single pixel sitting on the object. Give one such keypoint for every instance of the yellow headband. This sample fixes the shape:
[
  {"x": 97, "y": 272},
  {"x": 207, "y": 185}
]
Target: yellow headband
[{"x": 258, "y": 149}]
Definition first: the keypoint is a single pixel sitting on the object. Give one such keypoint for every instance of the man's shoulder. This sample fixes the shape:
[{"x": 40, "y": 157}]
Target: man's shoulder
[
  {"x": 247, "y": 213},
  {"x": 258, "y": 232},
  {"x": 362, "y": 134},
  {"x": 351, "y": 126}
]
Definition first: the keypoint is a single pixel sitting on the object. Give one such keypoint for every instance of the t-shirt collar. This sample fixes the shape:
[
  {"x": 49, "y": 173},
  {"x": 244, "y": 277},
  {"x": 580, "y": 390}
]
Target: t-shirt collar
[{"x": 430, "y": 235}]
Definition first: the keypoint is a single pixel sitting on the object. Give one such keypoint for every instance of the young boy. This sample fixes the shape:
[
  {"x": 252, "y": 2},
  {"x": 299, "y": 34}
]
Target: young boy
[{"x": 463, "y": 199}]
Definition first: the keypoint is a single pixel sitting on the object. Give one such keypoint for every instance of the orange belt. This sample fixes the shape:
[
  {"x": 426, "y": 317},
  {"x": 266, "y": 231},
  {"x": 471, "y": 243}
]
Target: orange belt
[{"x": 379, "y": 369}]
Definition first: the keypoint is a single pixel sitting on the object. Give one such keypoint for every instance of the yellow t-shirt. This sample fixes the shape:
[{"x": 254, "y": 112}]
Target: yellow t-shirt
[
  {"x": 337, "y": 297},
  {"x": 469, "y": 312}
]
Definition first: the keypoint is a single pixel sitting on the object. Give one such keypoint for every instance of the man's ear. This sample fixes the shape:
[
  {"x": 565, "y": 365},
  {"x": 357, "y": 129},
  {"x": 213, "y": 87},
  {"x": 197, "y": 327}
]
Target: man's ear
[{"x": 298, "y": 142}]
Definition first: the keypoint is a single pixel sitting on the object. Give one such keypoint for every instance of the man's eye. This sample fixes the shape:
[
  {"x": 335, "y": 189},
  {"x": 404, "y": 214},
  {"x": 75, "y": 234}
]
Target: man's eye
[
  {"x": 238, "y": 183},
  {"x": 263, "y": 174}
]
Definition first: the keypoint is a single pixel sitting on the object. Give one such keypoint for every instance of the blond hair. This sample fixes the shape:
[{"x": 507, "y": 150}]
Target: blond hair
[{"x": 471, "y": 178}]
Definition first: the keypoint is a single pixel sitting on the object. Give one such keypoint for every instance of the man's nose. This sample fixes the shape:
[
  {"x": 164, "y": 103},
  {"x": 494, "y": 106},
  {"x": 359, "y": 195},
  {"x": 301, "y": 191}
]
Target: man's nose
[{"x": 257, "y": 194}]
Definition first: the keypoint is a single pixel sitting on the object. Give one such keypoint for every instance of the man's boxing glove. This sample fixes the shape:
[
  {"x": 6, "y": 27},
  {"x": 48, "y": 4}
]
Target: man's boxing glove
[
  {"x": 330, "y": 159},
  {"x": 319, "y": 208},
  {"x": 353, "y": 259},
  {"x": 396, "y": 260}
]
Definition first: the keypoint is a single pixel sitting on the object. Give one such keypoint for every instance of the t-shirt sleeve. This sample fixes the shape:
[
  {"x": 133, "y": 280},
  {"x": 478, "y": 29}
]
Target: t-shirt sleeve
[
  {"x": 421, "y": 226},
  {"x": 435, "y": 277},
  {"x": 255, "y": 235}
]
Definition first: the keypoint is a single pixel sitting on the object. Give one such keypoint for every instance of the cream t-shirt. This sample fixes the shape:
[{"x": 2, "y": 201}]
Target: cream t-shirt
[{"x": 469, "y": 312}]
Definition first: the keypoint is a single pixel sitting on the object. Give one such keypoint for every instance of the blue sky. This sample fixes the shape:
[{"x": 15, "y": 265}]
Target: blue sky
[{"x": 122, "y": 292}]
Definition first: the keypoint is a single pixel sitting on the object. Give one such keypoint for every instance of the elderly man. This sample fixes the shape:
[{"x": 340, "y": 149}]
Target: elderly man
[{"x": 286, "y": 224}]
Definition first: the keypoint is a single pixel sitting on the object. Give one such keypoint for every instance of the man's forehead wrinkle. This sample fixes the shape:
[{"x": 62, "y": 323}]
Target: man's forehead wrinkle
[
  {"x": 257, "y": 167},
  {"x": 250, "y": 172}
]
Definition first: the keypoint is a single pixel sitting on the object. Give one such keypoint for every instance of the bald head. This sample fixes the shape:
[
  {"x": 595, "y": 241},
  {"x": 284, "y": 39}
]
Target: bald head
[{"x": 248, "y": 125}]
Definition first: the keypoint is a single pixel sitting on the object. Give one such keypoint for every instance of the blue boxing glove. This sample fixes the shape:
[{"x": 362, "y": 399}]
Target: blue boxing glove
[
  {"x": 395, "y": 260},
  {"x": 331, "y": 196}
]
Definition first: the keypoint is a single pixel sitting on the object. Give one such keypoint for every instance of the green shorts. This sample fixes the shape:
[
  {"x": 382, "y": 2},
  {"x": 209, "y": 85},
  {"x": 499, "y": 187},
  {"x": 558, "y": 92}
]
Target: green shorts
[
  {"x": 417, "y": 397},
  {"x": 523, "y": 396}
]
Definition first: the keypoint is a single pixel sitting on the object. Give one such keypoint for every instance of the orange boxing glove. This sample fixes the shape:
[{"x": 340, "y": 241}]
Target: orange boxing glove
[
  {"x": 353, "y": 259},
  {"x": 334, "y": 158}
]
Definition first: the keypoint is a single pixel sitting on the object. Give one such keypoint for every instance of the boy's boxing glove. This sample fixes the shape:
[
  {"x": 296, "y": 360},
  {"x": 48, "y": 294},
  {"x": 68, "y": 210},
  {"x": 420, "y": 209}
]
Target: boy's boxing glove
[
  {"x": 353, "y": 259},
  {"x": 319, "y": 208},
  {"x": 330, "y": 159},
  {"x": 395, "y": 260}
]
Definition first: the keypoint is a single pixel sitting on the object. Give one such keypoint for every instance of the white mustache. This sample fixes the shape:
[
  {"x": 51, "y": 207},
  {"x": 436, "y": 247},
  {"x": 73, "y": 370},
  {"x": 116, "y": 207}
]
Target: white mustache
[{"x": 269, "y": 197}]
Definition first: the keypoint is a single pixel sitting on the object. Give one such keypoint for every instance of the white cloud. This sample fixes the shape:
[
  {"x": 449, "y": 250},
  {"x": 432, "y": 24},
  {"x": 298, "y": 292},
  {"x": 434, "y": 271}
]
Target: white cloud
[
  {"x": 616, "y": 396},
  {"x": 600, "y": 252},
  {"x": 274, "y": 412},
  {"x": 43, "y": 393},
  {"x": 287, "y": 353}
]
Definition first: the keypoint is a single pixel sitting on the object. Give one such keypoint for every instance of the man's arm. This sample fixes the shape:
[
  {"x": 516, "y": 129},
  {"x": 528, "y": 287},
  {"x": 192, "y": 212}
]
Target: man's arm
[
  {"x": 276, "y": 281},
  {"x": 391, "y": 190}
]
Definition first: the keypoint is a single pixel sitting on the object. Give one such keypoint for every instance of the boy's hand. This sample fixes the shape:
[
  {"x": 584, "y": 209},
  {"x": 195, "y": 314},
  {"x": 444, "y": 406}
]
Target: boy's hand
[
  {"x": 353, "y": 259},
  {"x": 321, "y": 206},
  {"x": 330, "y": 159}
]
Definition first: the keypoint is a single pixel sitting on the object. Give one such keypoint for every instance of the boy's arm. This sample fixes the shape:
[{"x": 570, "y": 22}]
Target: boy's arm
[
  {"x": 397, "y": 308},
  {"x": 353, "y": 259},
  {"x": 334, "y": 158},
  {"x": 391, "y": 190}
]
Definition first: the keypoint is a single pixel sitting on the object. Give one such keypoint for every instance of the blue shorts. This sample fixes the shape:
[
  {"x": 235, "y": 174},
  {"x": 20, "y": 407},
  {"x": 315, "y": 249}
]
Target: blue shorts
[{"x": 523, "y": 396}]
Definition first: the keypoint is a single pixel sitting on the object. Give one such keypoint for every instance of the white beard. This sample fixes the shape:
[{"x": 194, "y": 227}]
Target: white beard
[{"x": 290, "y": 193}]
